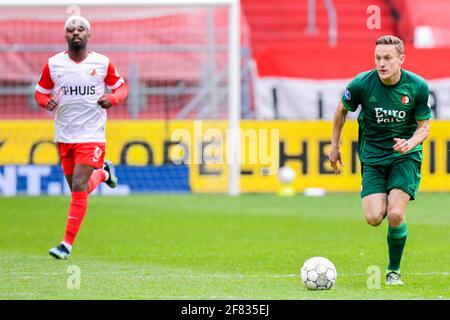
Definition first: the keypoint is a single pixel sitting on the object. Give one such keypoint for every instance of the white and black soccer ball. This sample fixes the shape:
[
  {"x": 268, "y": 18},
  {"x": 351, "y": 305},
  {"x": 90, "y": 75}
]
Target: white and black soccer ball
[{"x": 318, "y": 273}]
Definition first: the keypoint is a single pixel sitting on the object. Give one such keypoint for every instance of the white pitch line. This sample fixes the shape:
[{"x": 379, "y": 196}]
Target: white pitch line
[
  {"x": 122, "y": 275},
  {"x": 434, "y": 273}
]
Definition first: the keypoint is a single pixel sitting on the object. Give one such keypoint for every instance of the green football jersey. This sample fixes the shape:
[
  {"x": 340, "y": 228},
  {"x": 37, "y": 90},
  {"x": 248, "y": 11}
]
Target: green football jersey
[{"x": 387, "y": 112}]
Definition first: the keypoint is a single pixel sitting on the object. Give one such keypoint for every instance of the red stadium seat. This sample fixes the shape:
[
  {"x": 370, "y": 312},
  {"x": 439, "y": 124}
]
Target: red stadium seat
[
  {"x": 285, "y": 21},
  {"x": 416, "y": 13}
]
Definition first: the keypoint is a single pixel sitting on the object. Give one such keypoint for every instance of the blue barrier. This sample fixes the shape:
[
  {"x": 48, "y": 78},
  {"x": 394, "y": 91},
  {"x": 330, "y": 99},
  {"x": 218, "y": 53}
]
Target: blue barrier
[{"x": 43, "y": 179}]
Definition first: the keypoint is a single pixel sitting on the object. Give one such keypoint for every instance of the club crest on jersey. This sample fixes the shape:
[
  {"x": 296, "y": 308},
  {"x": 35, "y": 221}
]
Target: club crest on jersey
[
  {"x": 92, "y": 72},
  {"x": 405, "y": 100}
]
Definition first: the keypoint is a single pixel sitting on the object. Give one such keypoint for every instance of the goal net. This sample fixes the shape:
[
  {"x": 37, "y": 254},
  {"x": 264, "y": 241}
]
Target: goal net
[{"x": 178, "y": 129}]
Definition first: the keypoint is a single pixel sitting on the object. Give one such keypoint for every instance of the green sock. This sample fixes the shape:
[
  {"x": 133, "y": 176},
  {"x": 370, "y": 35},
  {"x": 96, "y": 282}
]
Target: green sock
[{"x": 396, "y": 239}]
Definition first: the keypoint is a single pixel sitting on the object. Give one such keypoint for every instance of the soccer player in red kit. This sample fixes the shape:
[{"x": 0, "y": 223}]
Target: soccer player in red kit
[{"x": 72, "y": 84}]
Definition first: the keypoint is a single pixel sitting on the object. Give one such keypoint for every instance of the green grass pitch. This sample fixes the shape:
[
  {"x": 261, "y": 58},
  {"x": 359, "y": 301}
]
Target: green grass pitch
[{"x": 217, "y": 247}]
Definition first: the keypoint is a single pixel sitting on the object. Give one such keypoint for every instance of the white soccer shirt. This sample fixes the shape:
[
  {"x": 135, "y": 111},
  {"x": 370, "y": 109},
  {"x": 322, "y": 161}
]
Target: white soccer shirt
[{"x": 77, "y": 87}]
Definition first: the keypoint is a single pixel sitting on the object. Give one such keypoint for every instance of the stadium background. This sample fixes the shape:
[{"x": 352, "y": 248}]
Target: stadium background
[{"x": 294, "y": 69}]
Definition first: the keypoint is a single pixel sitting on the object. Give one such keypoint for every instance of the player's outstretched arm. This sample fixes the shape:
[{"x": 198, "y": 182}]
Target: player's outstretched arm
[
  {"x": 338, "y": 124},
  {"x": 419, "y": 136}
]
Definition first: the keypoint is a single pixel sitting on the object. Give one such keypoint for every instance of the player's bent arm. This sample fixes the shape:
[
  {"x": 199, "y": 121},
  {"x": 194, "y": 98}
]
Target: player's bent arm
[
  {"x": 41, "y": 99},
  {"x": 338, "y": 124},
  {"x": 120, "y": 94},
  {"x": 117, "y": 96},
  {"x": 419, "y": 136},
  {"x": 422, "y": 132},
  {"x": 45, "y": 101}
]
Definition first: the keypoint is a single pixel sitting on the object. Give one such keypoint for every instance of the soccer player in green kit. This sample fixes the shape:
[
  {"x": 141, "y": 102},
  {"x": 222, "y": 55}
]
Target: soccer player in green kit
[{"x": 394, "y": 121}]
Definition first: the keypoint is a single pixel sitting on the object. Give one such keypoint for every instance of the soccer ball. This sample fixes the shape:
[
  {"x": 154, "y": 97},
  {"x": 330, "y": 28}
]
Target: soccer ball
[
  {"x": 286, "y": 174},
  {"x": 318, "y": 273}
]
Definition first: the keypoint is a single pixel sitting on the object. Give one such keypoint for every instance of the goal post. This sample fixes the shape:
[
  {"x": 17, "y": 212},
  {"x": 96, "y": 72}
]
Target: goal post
[{"x": 227, "y": 67}]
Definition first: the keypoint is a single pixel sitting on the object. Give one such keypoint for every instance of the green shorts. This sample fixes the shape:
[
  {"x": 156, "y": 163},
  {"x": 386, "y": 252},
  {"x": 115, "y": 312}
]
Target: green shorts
[{"x": 402, "y": 172}]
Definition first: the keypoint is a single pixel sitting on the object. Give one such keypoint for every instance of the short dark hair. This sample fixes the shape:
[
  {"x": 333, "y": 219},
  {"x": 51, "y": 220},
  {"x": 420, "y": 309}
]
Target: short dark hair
[{"x": 390, "y": 39}]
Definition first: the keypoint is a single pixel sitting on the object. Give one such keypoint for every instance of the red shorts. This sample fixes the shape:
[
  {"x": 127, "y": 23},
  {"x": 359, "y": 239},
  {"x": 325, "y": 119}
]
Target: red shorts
[{"x": 89, "y": 153}]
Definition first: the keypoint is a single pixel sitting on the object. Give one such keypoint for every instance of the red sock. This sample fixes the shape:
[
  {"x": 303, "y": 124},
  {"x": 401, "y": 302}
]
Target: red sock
[
  {"x": 78, "y": 208},
  {"x": 97, "y": 177}
]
